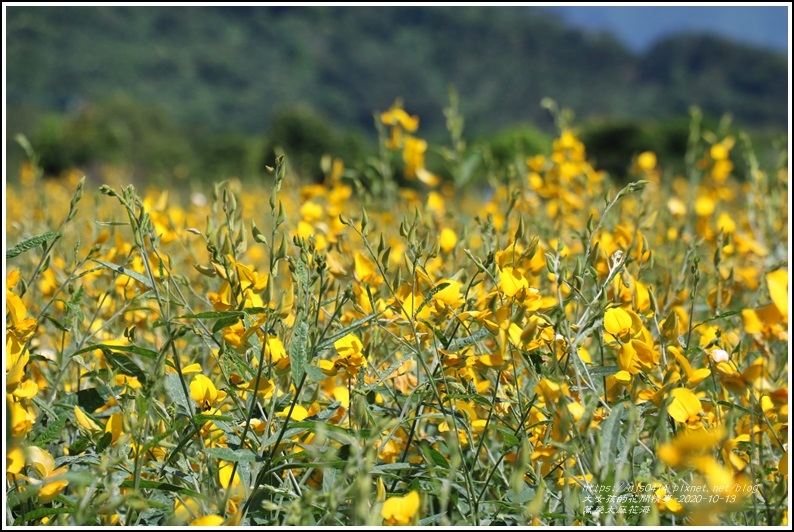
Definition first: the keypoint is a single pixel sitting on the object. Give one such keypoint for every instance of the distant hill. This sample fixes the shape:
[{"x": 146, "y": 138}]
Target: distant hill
[
  {"x": 234, "y": 68},
  {"x": 640, "y": 27}
]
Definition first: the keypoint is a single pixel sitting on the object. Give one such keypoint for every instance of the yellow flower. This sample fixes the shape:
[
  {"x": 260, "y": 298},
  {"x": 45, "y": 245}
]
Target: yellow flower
[
  {"x": 208, "y": 520},
  {"x": 665, "y": 502},
  {"x": 265, "y": 389},
  {"x": 21, "y": 418},
  {"x": 190, "y": 368},
  {"x": 17, "y": 383},
  {"x": 115, "y": 426},
  {"x": 693, "y": 376},
  {"x": 447, "y": 240},
  {"x": 351, "y": 355},
  {"x": 275, "y": 349},
  {"x": 396, "y": 116},
  {"x": 84, "y": 421},
  {"x": 204, "y": 392},
  {"x": 646, "y": 161},
  {"x": 511, "y": 281},
  {"x": 704, "y": 206},
  {"x": 400, "y": 511},
  {"x": 777, "y": 282},
  {"x": 414, "y": 155},
  {"x": 185, "y": 508},
  {"x": 731, "y": 378},
  {"x": 44, "y": 465},
  {"x": 299, "y": 413},
  {"x": 427, "y": 177},
  {"x": 689, "y": 444},
  {"x": 685, "y": 407},
  {"x": 15, "y": 459},
  {"x": 676, "y": 207},
  {"x": 413, "y": 306},
  {"x": 348, "y": 345},
  {"x": 621, "y": 324},
  {"x": 450, "y": 294},
  {"x": 364, "y": 268},
  {"x": 225, "y": 475}
]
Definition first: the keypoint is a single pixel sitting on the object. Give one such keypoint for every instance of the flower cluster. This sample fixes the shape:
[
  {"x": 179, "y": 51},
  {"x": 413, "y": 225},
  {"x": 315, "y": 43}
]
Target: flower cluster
[{"x": 316, "y": 356}]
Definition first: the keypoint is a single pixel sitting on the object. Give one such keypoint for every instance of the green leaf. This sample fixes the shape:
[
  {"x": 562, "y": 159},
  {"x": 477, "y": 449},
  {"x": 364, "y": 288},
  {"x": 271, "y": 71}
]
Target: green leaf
[
  {"x": 294, "y": 431},
  {"x": 225, "y": 322},
  {"x": 390, "y": 468},
  {"x": 174, "y": 390},
  {"x": 610, "y": 434},
  {"x": 162, "y": 486},
  {"x": 329, "y": 480},
  {"x": 42, "y": 359},
  {"x": 133, "y": 349},
  {"x": 126, "y": 365},
  {"x": 80, "y": 446},
  {"x": 738, "y": 407},
  {"x": 603, "y": 371},
  {"x": 298, "y": 355},
  {"x": 87, "y": 459},
  {"x": 432, "y": 519},
  {"x": 52, "y": 431},
  {"x": 521, "y": 497},
  {"x": 510, "y": 439},
  {"x": 30, "y": 243},
  {"x": 328, "y": 412},
  {"x": 212, "y": 315},
  {"x": 313, "y": 373},
  {"x": 435, "y": 457},
  {"x": 384, "y": 374},
  {"x": 39, "y": 513},
  {"x": 203, "y": 418},
  {"x": 58, "y": 325},
  {"x": 460, "y": 343},
  {"x": 65, "y": 500},
  {"x": 230, "y": 455},
  {"x": 90, "y": 399},
  {"x": 126, "y": 271},
  {"x": 479, "y": 399},
  {"x": 104, "y": 442},
  {"x": 727, "y": 314},
  {"x": 328, "y": 342}
]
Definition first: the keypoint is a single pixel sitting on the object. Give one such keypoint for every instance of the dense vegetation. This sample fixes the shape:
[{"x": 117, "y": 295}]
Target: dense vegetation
[
  {"x": 223, "y": 78},
  {"x": 554, "y": 349}
]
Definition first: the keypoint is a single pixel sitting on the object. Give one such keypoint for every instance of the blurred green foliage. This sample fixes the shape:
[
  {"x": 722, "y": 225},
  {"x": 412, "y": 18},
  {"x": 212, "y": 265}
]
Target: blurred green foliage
[
  {"x": 304, "y": 136},
  {"x": 210, "y": 91},
  {"x": 514, "y": 144},
  {"x": 612, "y": 142}
]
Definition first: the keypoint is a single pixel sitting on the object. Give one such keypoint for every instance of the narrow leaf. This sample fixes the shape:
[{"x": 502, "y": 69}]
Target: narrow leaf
[
  {"x": 610, "y": 433},
  {"x": 126, "y": 271},
  {"x": 604, "y": 371},
  {"x": 460, "y": 343},
  {"x": 230, "y": 455},
  {"x": 39, "y": 513},
  {"x": 162, "y": 486},
  {"x": 134, "y": 349},
  {"x": 104, "y": 442},
  {"x": 30, "y": 243},
  {"x": 126, "y": 365},
  {"x": 52, "y": 431},
  {"x": 328, "y": 342},
  {"x": 174, "y": 390},
  {"x": 213, "y": 314},
  {"x": 298, "y": 355}
]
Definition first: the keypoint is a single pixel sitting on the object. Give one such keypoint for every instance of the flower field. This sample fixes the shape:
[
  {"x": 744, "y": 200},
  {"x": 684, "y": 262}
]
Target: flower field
[{"x": 554, "y": 349}]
